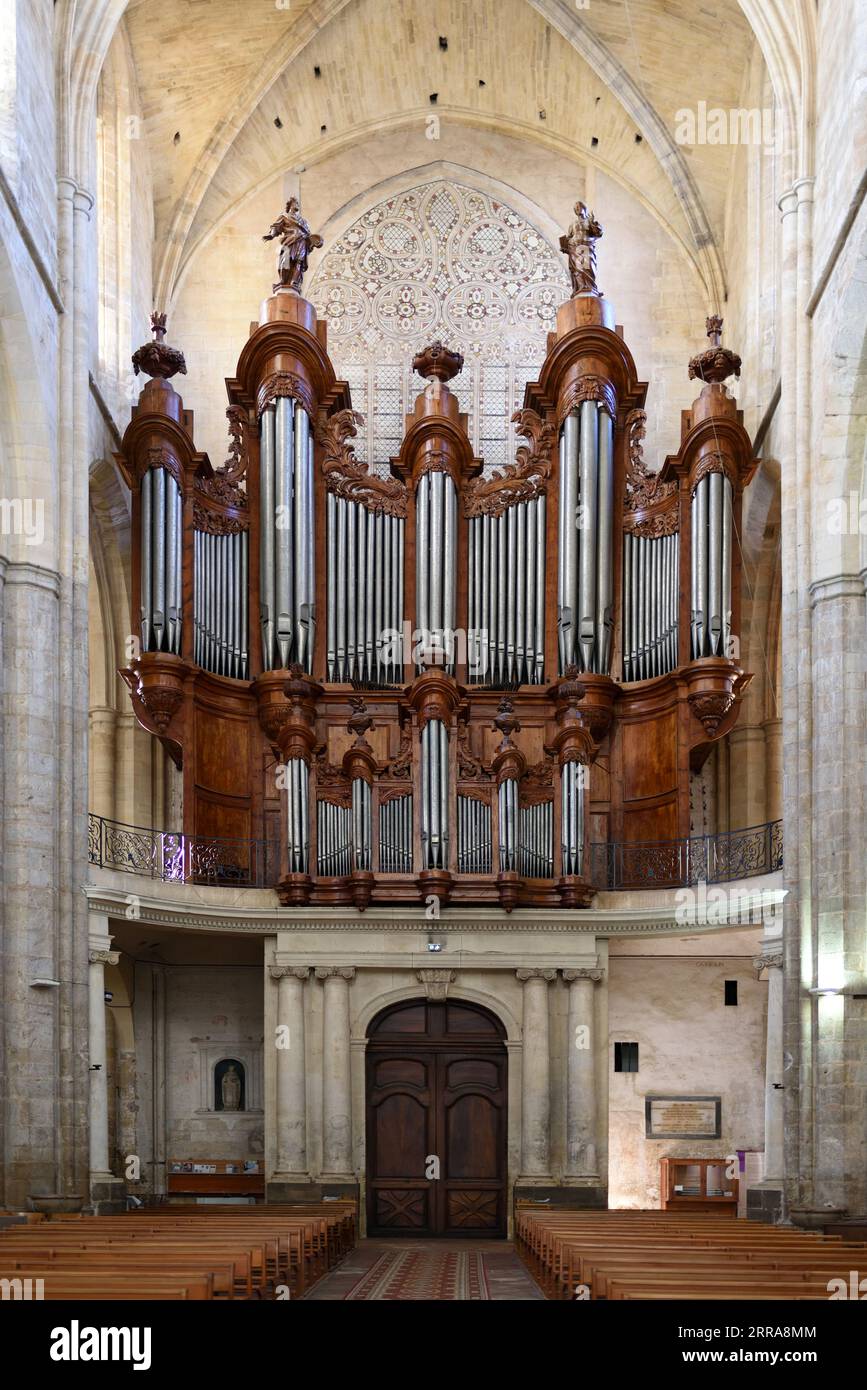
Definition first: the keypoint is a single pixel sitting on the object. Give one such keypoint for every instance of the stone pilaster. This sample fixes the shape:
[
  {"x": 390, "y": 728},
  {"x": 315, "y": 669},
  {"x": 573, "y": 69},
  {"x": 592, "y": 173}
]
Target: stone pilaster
[
  {"x": 106, "y": 1188},
  {"x": 291, "y": 1122},
  {"x": 336, "y": 1084},
  {"x": 582, "y": 1109},
  {"x": 536, "y": 1086}
]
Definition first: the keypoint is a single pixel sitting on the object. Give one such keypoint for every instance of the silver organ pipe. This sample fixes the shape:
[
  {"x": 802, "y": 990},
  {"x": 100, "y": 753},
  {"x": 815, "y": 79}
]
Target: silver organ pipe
[
  {"x": 158, "y": 555},
  {"x": 572, "y": 818},
  {"x": 221, "y": 570},
  {"x": 588, "y": 474},
  {"x": 161, "y": 562},
  {"x": 651, "y": 588},
  {"x": 604, "y": 554},
  {"x": 335, "y": 838},
  {"x": 285, "y": 522},
  {"x": 395, "y": 835},
  {"x": 435, "y": 790},
  {"x": 361, "y": 823},
  {"x": 507, "y": 794},
  {"x": 474, "y": 836},
  {"x": 536, "y": 838},
  {"x": 365, "y": 593},
  {"x": 585, "y": 577},
  {"x": 297, "y": 784},
  {"x": 507, "y": 594},
  {"x": 711, "y": 566},
  {"x": 286, "y": 547}
]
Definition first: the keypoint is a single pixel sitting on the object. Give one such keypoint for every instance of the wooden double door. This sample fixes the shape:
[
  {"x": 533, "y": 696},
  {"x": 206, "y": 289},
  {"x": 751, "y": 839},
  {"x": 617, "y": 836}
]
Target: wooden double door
[{"x": 436, "y": 1121}]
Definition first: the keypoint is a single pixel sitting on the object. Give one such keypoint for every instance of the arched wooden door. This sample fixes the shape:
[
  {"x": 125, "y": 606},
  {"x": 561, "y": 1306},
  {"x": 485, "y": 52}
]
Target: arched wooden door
[{"x": 436, "y": 1089}]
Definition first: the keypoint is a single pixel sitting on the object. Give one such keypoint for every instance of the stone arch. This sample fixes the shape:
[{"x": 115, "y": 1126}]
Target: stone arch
[{"x": 457, "y": 994}]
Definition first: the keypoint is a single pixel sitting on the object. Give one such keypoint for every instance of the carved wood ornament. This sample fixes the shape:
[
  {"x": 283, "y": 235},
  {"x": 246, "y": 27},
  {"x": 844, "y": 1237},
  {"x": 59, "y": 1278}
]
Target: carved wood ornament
[
  {"x": 346, "y": 476},
  {"x": 520, "y": 481}
]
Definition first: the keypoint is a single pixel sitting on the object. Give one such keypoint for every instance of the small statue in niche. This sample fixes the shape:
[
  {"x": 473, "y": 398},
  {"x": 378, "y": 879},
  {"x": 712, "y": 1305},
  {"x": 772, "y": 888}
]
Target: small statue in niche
[
  {"x": 296, "y": 243},
  {"x": 230, "y": 1088},
  {"x": 579, "y": 244}
]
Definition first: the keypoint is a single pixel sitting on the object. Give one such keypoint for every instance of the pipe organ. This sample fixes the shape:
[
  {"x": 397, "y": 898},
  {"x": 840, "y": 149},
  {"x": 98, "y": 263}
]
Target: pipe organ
[{"x": 428, "y": 678}]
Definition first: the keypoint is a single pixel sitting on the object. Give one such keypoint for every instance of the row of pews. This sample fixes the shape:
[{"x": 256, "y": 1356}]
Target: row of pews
[
  {"x": 671, "y": 1255},
  {"x": 179, "y": 1252}
]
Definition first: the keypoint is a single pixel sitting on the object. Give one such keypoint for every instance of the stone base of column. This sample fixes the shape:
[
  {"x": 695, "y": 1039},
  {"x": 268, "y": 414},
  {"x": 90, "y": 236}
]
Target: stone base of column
[
  {"x": 816, "y": 1218},
  {"x": 560, "y": 1194},
  {"x": 765, "y": 1201},
  {"x": 107, "y": 1194}
]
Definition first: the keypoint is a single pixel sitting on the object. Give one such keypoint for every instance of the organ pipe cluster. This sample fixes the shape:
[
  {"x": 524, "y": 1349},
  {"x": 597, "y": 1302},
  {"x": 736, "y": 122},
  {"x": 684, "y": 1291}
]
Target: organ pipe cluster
[
  {"x": 395, "y": 835},
  {"x": 361, "y": 823},
  {"x": 536, "y": 855},
  {"x": 506, "y": 562},
  {"x": 711, "y": 566},
  {"x": 297, "y": 782},
  {"x": 585, "y": 581},
  {"x": 572, "y": 817},
  {"x": 365, "y": 592},
  {"x": 474, "y": 836},
  {"x": 436, "y": 563},
  {"x": 435, "y": 794},
  {"x": 651, "y": 593},
  {"x": 507, "y": 794},
  {"x": 286, "y": 547},
  {"x": 161, "y": 532},
  {"x": 220, "y": 584},
  {"x": 333, "y": 839}
]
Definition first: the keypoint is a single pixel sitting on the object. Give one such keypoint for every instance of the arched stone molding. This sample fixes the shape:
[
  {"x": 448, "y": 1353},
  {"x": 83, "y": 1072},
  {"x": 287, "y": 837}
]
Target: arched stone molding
[
  {"x": 413, "y": 120},
  {"x": 458, "y": 994}
]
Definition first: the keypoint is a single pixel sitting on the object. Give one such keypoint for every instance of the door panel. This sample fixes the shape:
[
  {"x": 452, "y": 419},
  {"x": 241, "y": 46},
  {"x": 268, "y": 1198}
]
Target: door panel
[{"x": 436, "y": 1089}]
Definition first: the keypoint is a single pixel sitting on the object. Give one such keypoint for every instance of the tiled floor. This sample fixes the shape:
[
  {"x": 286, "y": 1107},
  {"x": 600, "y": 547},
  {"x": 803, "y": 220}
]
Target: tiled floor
[{"x": 505, "y": 1274}]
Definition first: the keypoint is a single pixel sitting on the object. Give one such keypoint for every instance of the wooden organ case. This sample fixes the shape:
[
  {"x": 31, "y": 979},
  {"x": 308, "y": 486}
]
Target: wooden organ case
[{"x": 434, "y": 681}]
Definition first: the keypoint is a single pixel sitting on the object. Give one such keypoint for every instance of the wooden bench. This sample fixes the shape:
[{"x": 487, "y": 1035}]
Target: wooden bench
[
  {"x": 637, "y": 1254},
  {"x": 216, "y": 1252}
]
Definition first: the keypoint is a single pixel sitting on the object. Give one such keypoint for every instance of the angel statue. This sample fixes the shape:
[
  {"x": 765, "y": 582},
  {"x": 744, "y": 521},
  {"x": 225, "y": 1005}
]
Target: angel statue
[
  {"x": 296, "y": 243},
  {"x": 579, "y": 244}
]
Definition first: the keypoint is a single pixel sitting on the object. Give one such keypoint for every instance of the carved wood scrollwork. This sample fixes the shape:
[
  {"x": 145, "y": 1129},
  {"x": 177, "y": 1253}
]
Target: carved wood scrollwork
[
  {"x": 218, "y": 523},
  {"x": 537, "y": 783},
  {"x": 715, "y": 462},
  {"x": 400, "y": 767},
  {"x": 470, "y": 768},
  {"x": 520, "y": 481},
  {"x": 332, "y": 784},
  {"x": 346, "y": 476},
  {"x": 158, "y": 456},
  {"x": 643, "y": 490},
  {"x": 394, "y": 793},
  {"x": 587, "y": 388},
  {"x": 285, "y": 384}
]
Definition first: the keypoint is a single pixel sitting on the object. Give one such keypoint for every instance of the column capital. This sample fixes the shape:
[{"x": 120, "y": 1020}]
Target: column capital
[
  {"x": 296, "y": 972},
  {"x": 769, "y": 959},
  {"x": 546, "y": 975},
  {"x": 103, "y": 957},
  {"x": 584, "y": 973},
  {"x": 332, "y": 972},
  {"x": 436, "y": 982}
]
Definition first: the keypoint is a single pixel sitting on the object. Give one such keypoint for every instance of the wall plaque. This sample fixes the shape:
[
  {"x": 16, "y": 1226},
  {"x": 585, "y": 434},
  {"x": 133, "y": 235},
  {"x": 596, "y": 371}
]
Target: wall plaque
[{"x": 682, "y": 1117}]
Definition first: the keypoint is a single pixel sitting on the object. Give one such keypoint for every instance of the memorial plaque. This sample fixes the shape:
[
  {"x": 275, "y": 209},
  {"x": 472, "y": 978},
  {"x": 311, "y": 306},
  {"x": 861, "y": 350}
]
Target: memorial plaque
[{"x": 682, "y": 1117}]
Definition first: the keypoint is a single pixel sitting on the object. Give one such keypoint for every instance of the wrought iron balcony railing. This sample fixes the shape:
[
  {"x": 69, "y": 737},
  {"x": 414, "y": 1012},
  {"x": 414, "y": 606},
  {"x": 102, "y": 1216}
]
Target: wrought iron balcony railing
[{"x": 235, "y": 863}]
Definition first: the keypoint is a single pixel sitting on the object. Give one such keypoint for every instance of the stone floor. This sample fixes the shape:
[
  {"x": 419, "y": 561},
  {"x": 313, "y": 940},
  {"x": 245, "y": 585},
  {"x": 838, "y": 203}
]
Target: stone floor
[{"x": 429, "y": 1270}]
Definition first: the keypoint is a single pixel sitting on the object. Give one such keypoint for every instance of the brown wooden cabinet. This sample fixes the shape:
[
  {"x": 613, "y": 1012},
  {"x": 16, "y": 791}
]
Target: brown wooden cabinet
[{"x": 697, "y": 1184}]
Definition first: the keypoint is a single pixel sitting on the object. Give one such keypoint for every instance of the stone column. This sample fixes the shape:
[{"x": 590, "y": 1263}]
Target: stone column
[
  {"x": 291, "y": 1072},
  {"x": 336, "y": 1088},
  {"x": 582, "y": 1160},
  {"x": 99, "y": 958},
  {"x": 536, "y": 1088},
  {"x": 771, "y": 959},
  {"x": 103, "y": 725},
  {"x": 773, "y": 769}
]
